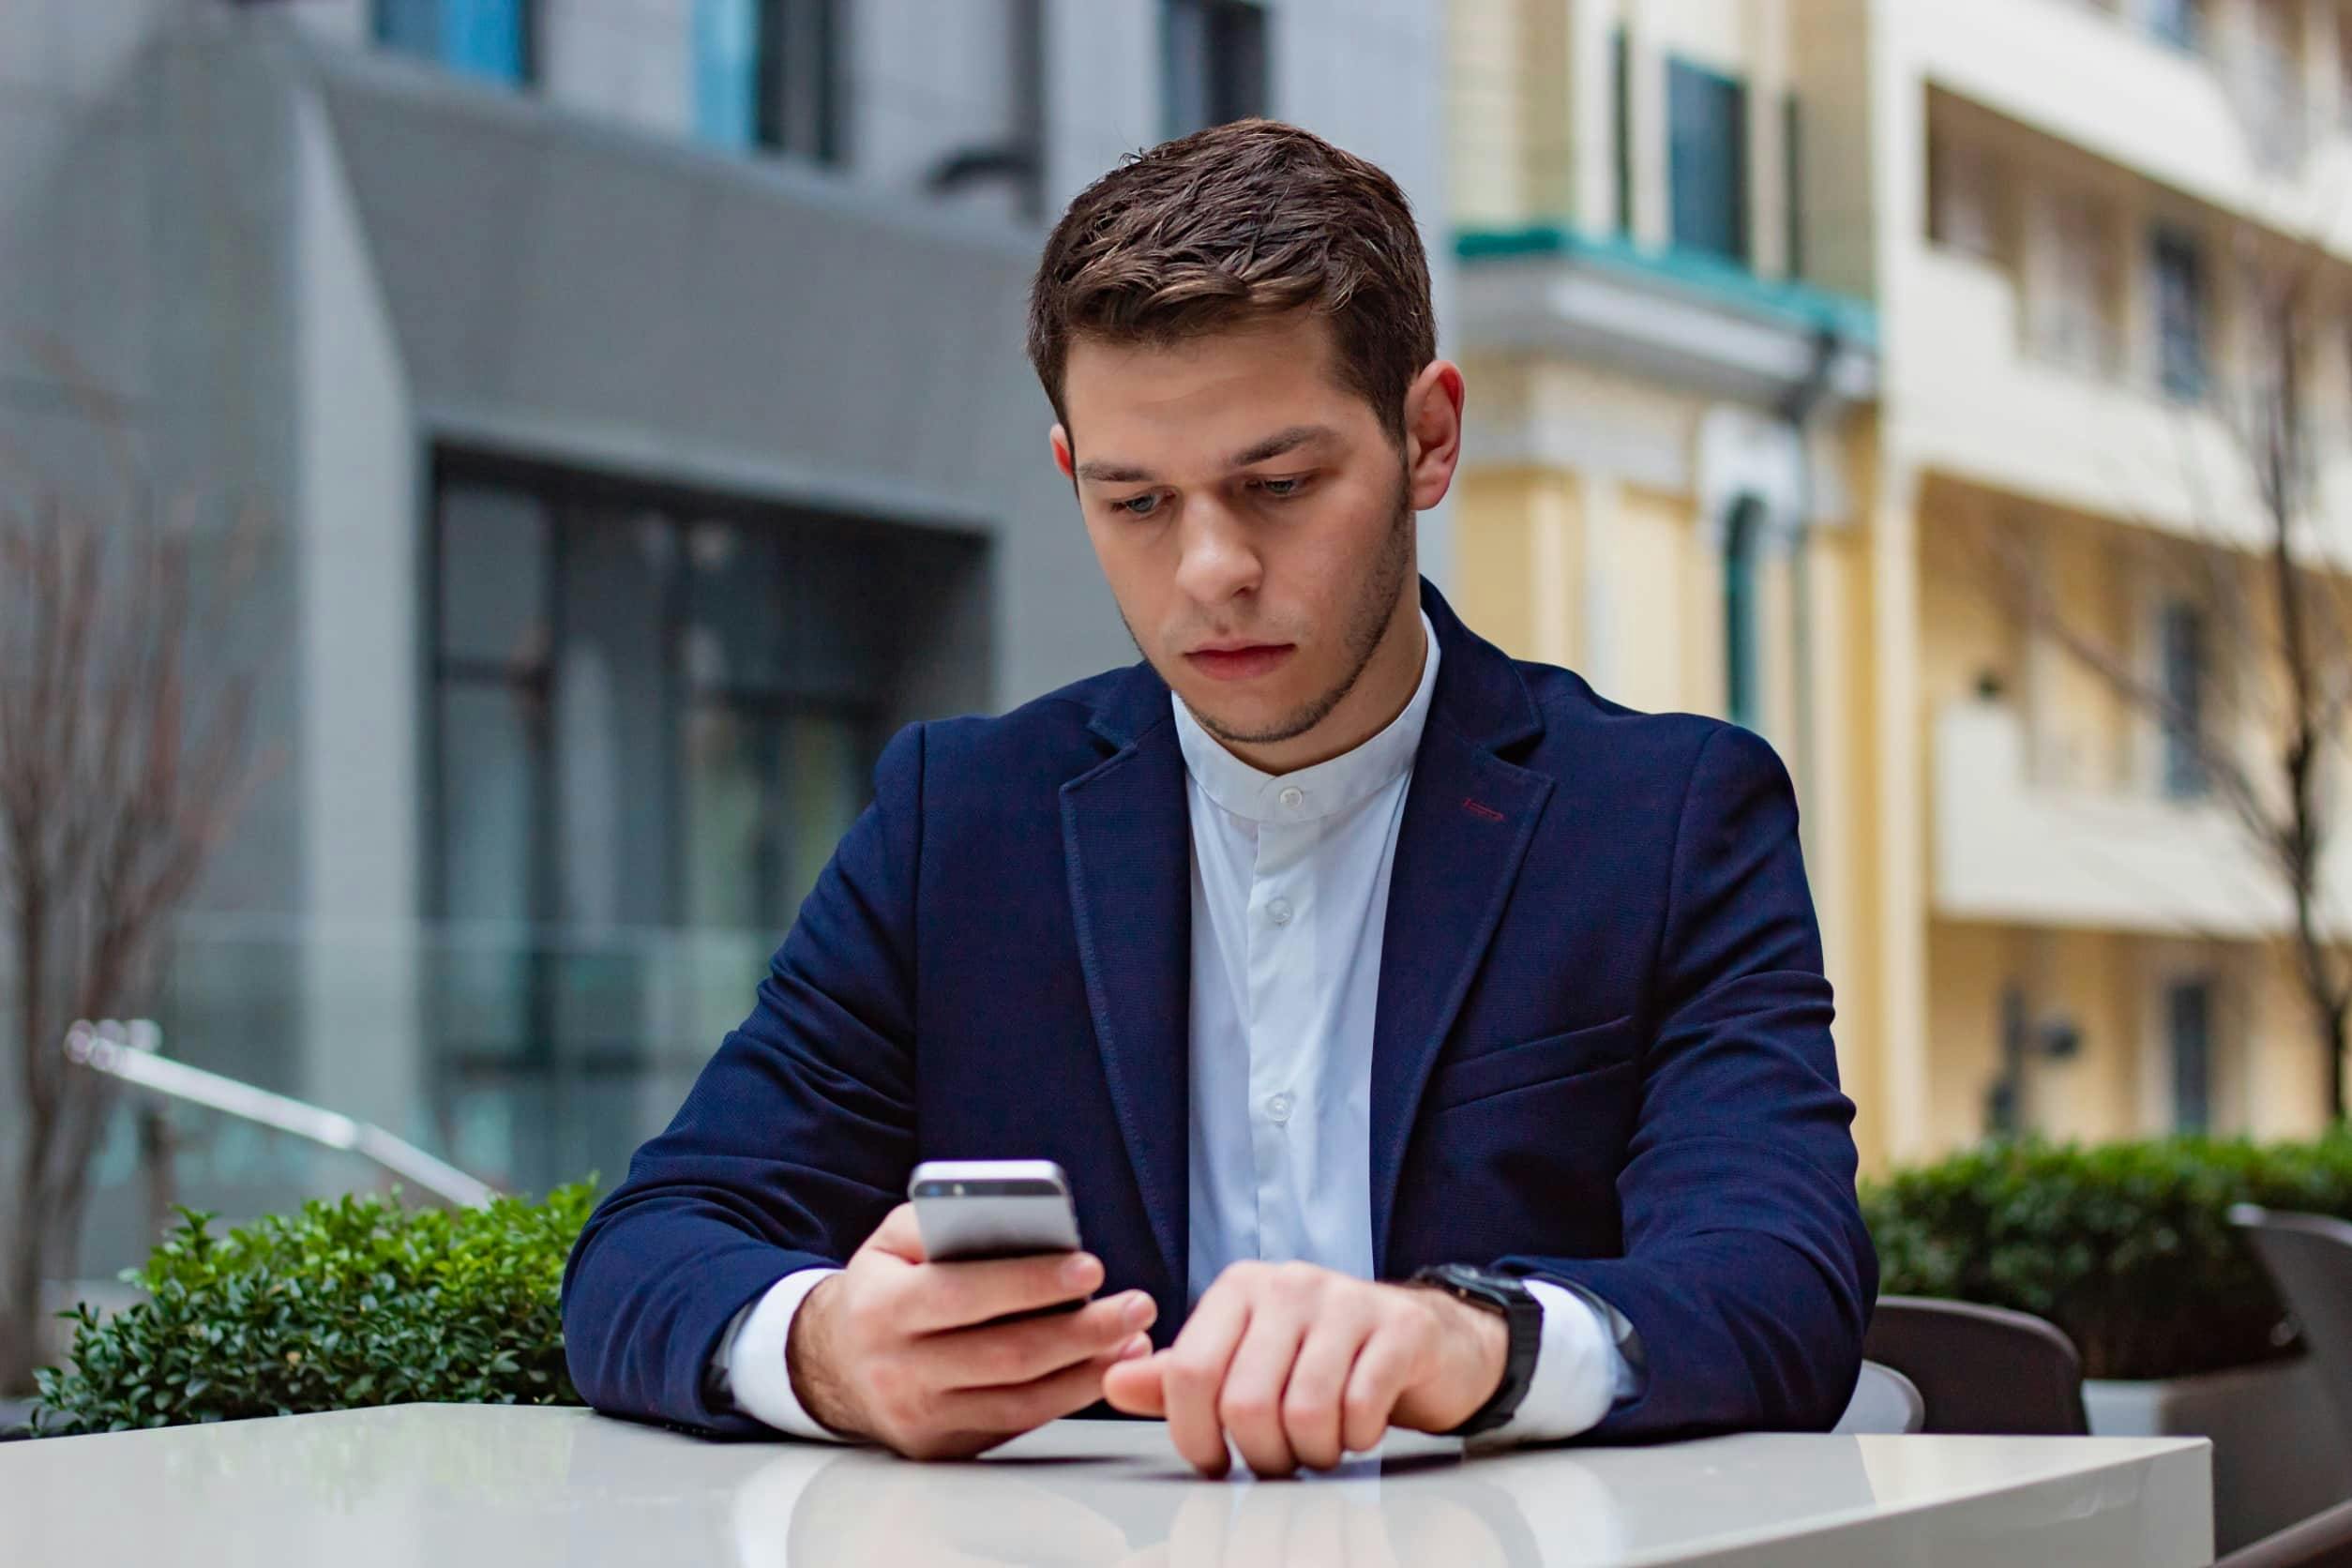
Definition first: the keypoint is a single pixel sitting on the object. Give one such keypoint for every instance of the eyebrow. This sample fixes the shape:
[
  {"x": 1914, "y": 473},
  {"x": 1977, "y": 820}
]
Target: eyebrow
[{"x": 1102, "y": 472}]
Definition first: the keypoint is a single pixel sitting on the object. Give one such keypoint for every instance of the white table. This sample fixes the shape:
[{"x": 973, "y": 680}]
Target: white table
[{"x": 448, "y": 1487}]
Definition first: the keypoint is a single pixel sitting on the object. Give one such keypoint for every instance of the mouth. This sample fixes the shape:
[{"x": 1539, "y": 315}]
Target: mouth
[{"x": 1241, "y": 661}]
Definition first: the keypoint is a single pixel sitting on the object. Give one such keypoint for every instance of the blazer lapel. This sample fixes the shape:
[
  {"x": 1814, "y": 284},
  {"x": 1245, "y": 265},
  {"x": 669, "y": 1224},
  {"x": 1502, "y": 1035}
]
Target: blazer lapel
[
  {"x": 1468, "y": 819},
  {"x": 1128, "y": 844}
]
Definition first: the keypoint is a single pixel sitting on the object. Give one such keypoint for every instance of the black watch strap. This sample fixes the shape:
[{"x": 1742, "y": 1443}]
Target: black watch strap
[{"x": 1522, "y": 1317}]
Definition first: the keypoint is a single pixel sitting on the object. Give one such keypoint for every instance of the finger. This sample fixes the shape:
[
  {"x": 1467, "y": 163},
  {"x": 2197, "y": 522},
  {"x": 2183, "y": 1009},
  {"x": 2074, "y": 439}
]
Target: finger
[
  {"x": 943, "y": 1296},
  {"x": 1313, "y": 1414},
  {"x": 1194, "y": 1374},
  {"x": 898, "y": 1235},
  {"x": 1027, "y": 1406},
  {"x": 1380, "y": 1372},
  {"x": 1001, "y": 1354},
  {"x": 1250, "y": 1405},
  {"x": 1134, "y": 1387}
]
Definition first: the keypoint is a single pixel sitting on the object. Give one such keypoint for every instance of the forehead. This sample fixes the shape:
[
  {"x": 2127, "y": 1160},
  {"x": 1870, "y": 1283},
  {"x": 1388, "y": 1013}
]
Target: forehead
[{"x": 1207, "y": 396}]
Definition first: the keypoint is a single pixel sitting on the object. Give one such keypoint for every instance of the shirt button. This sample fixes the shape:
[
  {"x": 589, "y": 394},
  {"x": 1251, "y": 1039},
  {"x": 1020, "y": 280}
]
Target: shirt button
[
  {"x": 1279, "y": 1108},
  {"x": 1294, "y": 797},
  {"x": 1279, "y": 912}
]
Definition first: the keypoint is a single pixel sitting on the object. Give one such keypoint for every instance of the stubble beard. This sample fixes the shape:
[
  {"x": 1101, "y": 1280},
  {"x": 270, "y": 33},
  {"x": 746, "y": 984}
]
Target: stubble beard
[{"x": 1367, "y": 626}]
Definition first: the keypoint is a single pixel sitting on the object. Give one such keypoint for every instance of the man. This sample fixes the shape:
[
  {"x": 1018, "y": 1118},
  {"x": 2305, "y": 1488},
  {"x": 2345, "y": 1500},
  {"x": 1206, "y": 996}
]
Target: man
[{"x": 1325, "y": 949}]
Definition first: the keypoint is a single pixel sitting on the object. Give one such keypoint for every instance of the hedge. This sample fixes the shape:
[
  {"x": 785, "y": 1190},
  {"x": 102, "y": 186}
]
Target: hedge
[
  {"x": 349, "y": 1303},
  {"x": 2126, "y": 1246}
]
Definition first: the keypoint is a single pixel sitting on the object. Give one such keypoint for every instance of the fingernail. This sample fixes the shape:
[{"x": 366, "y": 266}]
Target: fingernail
[
  {"x": 1140, "y": 1311},
  {"x": 1079, "y": 1270},
  {"x": 1136, "y": 1348}
]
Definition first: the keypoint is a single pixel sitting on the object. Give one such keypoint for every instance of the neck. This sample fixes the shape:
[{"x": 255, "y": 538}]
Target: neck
[{"x": 1381, "y": 692}]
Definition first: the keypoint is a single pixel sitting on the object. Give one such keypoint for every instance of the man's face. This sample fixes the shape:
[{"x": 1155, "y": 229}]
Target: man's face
[{"x": 1253, "y": 517}]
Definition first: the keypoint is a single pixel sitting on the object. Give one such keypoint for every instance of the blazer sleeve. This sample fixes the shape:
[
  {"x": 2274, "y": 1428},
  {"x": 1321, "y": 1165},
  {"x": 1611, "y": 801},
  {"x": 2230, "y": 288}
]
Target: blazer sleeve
[
  {"x": 794, "y": 1143},
  {"x": 1748, "y": 1275}
]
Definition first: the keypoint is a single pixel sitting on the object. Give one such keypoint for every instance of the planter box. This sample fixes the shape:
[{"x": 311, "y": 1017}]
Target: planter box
[{"x": 2280, "y": 1454}]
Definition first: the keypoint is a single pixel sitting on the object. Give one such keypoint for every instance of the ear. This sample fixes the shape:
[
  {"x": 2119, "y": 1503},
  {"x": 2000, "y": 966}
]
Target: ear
[
  {"x": 1433, "y": 432},
  {"x": 1062, "y": 459}
]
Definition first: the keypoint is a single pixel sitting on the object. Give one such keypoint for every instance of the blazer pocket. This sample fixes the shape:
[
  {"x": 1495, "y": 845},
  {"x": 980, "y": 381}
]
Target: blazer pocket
[{"x": 1554, "y": 1057}]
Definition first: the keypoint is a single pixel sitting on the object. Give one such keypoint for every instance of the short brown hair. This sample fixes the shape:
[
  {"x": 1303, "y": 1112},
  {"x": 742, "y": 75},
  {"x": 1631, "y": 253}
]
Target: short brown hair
[{"x": 1242, "y": 221}]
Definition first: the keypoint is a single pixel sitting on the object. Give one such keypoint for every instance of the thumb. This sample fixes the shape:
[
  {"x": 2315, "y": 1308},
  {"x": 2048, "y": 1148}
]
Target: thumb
[
  {"x": 1135, "y": 1388},
  {"x": 898, "y": 1235}
]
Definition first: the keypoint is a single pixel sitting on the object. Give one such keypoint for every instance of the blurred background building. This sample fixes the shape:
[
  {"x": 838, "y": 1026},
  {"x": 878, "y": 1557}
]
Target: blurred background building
[
  {"x": 633, "y": 395},
  {"x": 1880, "y": 375}
]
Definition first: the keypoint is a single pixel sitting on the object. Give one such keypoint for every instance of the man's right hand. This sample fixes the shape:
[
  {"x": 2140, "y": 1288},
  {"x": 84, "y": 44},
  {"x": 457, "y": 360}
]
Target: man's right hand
[{"x": 905, "y": 1352}]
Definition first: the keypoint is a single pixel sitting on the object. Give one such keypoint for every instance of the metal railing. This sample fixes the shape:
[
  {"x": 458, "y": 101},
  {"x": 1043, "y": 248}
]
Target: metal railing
[{"x": 132, "y": 1052}]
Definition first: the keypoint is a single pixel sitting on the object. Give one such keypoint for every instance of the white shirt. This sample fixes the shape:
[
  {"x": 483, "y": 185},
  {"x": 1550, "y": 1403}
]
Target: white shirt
[{"x": 1289, "y": 893}]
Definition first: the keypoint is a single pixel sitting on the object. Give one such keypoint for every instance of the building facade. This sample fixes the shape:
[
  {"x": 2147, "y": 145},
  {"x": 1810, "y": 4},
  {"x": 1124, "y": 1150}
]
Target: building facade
[
  {"x": 633, "y": 394},
  {"x": 1987, "y": 563}
]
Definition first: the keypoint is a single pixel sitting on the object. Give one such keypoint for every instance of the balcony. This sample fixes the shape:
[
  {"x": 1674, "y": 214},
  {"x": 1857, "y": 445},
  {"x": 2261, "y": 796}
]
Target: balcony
[
  {"x": 2243, "y": 136},
  {"x": 1970, "y": 401},
  {"x": 2010, "y": 848}
]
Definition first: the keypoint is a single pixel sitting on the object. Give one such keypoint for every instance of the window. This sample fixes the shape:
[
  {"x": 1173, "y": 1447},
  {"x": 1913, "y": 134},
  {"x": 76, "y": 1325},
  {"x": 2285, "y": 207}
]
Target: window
[
  {"x": 2269, "y": 84},
  {"x": 2189, "y": 1035},
  {"x": 1792, "y": 143},
  {"x": 768, "y": 73},
  {"x": 1213, "y": 63},
  {"x": 651, "y": 717},
  {"x": 1963, "y": 183},
  {"x": 1707, "y": 161},
  {"x": 489, "y": 38},
  {"x": 2179, "y": 265},
  {"x": 1742, "y": 541},
  {"x": 1621, "y": 116},
  {"x": 2071, "y": 296},
  {"x": 2178, "y": 22},
  {"x": 2181, "y": 654}
]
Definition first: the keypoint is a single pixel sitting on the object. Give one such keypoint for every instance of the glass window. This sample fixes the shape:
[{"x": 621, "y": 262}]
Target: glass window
[
  {"x": 1621, "y": 129},
  {"x": 2181, "y": 651},
  {"x": 492, "y": 568},
  {"x": 769, "y": 74},
  {"x": 652, "y": 727},
  {"x": 489, "y": 39},
  {"x": 1742, "y": 540},
  {"x": 1963, "y": 186},
  {"x": 1707, "y": 118},
  {"x": 1213, "y": 62},
  {"x": 2179, "y": 265},
  {"x": 726, "y": 71},
  {"x": 2072, "y": 290},
  {"x": 2189, "y": 1032}
]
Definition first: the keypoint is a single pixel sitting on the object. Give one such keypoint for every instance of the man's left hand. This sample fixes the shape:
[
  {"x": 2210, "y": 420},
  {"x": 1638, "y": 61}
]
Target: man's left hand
[{"x": 1301, "y": 1365}]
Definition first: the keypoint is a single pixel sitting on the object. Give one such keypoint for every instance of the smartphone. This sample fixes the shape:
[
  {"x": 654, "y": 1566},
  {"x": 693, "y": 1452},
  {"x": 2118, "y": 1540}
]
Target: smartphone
[{"x": 975, "y": 1209}]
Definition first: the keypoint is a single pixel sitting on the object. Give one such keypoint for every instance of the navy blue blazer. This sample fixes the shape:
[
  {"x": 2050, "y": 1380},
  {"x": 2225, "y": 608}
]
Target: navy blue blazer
[{"x": 1602, "y": 1053}]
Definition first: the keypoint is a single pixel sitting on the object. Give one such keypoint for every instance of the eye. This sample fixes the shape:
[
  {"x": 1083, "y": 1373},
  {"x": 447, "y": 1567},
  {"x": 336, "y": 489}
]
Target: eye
[
  {"x": 1279, "y": 490},
  {"x": 1139, "y": 506}
]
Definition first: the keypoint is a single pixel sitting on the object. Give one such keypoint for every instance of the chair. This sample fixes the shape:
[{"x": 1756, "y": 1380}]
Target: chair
[
  {"x": 1982, "y": 1369},
  {"x": 2309, "y": 1258},
  {"x": 2322, "y": 1541},
  {"x": 1884, "y": 1401}
]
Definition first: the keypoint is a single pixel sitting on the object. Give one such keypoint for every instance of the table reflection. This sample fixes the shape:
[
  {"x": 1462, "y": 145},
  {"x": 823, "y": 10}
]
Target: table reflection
[{"x": 813, "y": 1506}]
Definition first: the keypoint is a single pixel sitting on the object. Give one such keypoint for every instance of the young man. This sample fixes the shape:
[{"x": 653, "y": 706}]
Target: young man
[{"x": 1430, "y": 1042}]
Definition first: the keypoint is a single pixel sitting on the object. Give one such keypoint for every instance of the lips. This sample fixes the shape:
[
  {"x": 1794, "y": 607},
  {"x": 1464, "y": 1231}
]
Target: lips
[{"x": 1240, "y": 664}]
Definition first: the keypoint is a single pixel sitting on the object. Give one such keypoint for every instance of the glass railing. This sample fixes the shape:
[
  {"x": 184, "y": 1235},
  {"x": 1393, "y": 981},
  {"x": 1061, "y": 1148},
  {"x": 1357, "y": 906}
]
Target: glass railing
[{"x": 523, "y": 1056}]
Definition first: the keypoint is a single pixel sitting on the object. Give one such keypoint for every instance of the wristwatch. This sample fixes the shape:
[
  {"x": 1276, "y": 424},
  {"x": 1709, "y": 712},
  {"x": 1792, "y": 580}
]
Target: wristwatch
[{"x": 1522, "y": 1316}]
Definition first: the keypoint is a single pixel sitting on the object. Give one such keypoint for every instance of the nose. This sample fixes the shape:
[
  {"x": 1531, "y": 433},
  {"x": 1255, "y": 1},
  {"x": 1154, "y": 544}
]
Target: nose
[{"x": 1219, "y": 560}]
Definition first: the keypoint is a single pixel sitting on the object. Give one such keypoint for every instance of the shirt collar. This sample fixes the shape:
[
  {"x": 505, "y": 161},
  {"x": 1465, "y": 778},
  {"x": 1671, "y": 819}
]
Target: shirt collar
[{"x": 1309, "y": 794}]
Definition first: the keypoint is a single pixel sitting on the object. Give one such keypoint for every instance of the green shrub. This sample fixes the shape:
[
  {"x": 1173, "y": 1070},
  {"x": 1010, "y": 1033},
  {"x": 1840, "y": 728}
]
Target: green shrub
[
  {"x": 2126, "y": 1246},
  {"x": 351, "y": 1303}
]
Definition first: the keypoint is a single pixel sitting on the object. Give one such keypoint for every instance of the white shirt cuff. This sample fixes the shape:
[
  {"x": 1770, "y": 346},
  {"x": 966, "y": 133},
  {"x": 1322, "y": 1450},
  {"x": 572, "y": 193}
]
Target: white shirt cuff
[
  {"x": 1579, "y": 1370},
  {"x": 750, "y": 1358}
]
